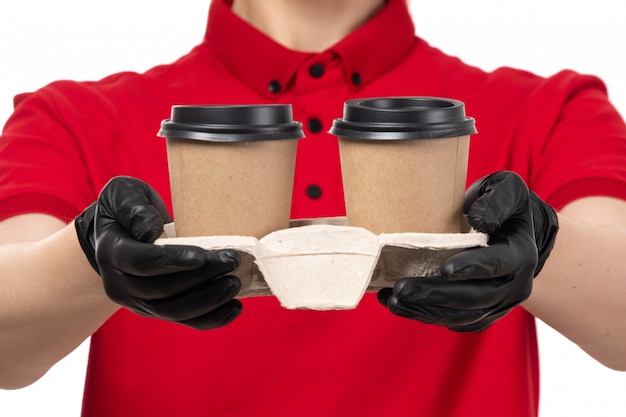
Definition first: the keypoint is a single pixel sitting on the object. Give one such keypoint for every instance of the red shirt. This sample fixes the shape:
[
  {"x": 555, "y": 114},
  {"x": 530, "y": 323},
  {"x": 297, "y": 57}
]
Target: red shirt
[{"x": 64, "y": 142}]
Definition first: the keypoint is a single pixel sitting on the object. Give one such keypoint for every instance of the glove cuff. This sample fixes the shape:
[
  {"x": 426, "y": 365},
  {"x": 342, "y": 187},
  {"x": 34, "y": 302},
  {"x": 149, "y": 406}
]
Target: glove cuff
[
  {"x": 84, "y": 225},
  {"x": 546, "y": 224}
]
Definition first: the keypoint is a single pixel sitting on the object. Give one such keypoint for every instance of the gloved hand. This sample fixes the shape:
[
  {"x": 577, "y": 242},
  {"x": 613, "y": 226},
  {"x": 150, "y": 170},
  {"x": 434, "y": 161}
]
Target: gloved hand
[
  {"x": 480, "y": 285},
  {"x": 179, "y": 283}
]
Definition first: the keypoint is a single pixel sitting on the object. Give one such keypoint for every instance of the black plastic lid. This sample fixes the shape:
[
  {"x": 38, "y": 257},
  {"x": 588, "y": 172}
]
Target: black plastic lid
[
  {"x": 394, "y": 118},
  {"x": 232, "y": 123}
]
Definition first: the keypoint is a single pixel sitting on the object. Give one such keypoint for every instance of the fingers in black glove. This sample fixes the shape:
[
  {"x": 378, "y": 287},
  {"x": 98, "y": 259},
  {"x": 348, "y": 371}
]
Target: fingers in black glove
[
  {"x": 183, "y": 284},
  {"x": 480, "y": 285},
  {"x": 471, "y": 297},
  {"x": 495, "y": 202}
]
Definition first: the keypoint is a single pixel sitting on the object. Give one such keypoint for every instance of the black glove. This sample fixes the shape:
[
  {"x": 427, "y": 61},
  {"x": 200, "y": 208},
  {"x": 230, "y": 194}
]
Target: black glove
[
  {"x": 178, "y": 283},
  {"x": 480, "y": 285}
]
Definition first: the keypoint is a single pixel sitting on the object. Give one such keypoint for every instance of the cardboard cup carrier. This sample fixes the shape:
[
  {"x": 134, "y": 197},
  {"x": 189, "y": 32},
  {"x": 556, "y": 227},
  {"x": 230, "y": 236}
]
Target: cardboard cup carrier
[
  {"x": 404, "y": 163},
  {"x": 231, "y": 168}
]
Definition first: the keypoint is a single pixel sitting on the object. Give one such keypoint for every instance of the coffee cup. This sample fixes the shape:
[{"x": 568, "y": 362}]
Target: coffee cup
[
  {"x": 404, "y": 163},
  {"x": 231, "y": 168}
]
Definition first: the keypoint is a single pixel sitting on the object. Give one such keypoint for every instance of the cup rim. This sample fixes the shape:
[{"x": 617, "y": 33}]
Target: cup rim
[
  {"x": 403, "y": 117},
  {"x": 231, "y": 123}
]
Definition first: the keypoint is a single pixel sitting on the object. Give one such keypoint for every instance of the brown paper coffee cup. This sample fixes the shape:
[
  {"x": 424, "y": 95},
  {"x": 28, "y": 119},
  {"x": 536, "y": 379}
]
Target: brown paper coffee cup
[
  {"x": 404, "y": 163},
  {"x": 231, "y": 168}
]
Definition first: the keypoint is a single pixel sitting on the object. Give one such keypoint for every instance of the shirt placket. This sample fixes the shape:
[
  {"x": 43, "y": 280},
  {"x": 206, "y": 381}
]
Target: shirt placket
[{"x": 319, "y": 90}]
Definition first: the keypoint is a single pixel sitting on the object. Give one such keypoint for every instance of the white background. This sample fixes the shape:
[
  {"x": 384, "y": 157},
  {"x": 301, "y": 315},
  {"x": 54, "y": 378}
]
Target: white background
[{"x": 43, "y": 40}]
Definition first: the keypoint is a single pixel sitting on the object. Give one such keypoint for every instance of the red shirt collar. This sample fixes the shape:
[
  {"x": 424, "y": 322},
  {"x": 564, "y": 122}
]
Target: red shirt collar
[{"x": 258, "y": 61}]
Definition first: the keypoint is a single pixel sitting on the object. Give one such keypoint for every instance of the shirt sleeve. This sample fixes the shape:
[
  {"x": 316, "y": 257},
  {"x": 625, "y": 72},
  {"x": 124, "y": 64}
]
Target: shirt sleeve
[
  {"x": 561, "y": 133},
  {"x": 585, "y": 151},
  {"x": 42, "y": 166}
]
